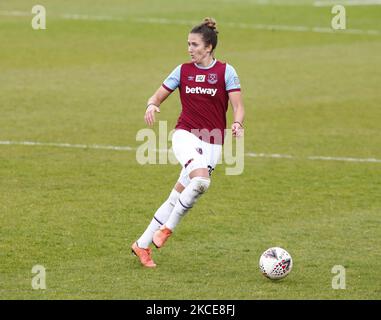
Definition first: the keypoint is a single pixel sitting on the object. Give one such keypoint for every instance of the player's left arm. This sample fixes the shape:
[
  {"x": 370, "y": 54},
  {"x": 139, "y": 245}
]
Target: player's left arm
[
  {"x": 236, "y": 101},
  {"x": 233, "y": 87}
]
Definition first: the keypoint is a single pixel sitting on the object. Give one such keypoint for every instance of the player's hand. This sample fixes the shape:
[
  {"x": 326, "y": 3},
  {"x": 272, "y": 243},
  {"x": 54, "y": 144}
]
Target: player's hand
[
  {"x": 149, "y": 117},
  {"x": 237, "y": 129}
]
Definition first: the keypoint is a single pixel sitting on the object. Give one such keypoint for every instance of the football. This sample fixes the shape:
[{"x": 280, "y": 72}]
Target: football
[{"x": 275, "y": 263}]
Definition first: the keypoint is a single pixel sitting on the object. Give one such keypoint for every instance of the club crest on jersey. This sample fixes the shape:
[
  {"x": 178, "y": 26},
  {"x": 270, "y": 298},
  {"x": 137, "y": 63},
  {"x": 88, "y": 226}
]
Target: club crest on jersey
[
  {"x": 212, "y": 78},
  {"x": 200, "y": 78}
]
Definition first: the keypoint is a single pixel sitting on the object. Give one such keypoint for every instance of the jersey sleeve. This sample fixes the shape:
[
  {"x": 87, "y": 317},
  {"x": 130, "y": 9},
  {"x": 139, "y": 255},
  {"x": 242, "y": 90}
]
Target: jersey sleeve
[
  {"x": 231, "y": 79},
  {"x": 173, "y": 80}
]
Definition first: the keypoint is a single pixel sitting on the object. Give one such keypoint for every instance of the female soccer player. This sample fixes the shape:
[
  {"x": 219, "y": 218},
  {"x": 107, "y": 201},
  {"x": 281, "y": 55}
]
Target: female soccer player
[{"x": 206, "y": 85}]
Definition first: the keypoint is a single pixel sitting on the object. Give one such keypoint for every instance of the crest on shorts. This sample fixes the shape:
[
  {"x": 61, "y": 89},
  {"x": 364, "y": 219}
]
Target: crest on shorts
[
  {"x": 212, "y": 78},
  {"x": 199, "y": 150}
]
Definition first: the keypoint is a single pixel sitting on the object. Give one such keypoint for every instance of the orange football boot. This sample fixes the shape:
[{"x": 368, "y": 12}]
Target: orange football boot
[
  {"x": 161, "y": 236},
  {"x": 144, "y": 255}
]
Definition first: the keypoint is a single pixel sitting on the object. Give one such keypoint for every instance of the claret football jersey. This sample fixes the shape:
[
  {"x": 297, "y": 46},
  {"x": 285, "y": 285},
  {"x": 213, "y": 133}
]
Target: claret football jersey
[{"x": 204, "y": 97}]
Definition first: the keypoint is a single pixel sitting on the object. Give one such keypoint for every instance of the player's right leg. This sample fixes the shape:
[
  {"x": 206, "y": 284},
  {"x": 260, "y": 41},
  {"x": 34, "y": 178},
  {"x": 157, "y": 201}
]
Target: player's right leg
[
  {"x": 144, "y": 255},
  {"x": 160, "y": 217},
  {"x": 141, "y": 247}
]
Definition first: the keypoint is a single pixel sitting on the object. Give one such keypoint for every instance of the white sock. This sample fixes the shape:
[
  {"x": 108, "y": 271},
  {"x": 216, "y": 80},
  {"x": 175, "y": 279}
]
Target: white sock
[
  {"x": 159, "y": 218},
  {"x": 187, "y": 199}
]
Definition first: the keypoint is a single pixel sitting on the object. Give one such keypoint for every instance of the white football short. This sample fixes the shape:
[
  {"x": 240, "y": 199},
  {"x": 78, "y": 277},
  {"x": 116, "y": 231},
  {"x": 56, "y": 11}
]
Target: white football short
[{"x": 193, "y": 153}]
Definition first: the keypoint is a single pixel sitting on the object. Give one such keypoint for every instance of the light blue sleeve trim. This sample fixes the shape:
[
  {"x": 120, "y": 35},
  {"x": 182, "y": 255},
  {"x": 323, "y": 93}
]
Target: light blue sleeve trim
[
  {"x": 231, "y": 78},
  {"x": 173, "y": 80}
]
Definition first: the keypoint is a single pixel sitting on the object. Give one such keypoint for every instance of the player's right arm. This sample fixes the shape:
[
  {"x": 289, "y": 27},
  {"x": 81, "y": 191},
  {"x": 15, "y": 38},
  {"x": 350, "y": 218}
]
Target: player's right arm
[
  {"x": 169, "y": 85},
  {"x": 153, "y": 104}
]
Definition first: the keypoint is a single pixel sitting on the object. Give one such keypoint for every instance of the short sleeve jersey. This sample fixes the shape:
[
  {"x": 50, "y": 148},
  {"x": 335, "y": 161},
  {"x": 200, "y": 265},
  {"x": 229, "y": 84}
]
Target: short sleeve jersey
[{"x": 204, "y": 97}]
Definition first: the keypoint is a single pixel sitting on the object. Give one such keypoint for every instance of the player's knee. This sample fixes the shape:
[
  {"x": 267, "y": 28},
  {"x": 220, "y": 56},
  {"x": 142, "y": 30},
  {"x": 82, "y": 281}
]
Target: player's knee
[{"x": 201, "y": 184}]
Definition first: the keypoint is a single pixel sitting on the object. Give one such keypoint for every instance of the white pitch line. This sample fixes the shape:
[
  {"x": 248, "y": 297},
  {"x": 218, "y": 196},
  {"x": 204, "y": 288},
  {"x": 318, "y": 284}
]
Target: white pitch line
[
  {"x": 266, "y": 155},
  {"x": 344, "y": 159},
  {"x": 127, "y": 148},
  {"x": 15, "y": 13},
  {"x": 347, "y": 3},
  {"x": 268, "y": 27},
  {"x": 74, "y": 16},
  {"x": 67, "y": 145}
]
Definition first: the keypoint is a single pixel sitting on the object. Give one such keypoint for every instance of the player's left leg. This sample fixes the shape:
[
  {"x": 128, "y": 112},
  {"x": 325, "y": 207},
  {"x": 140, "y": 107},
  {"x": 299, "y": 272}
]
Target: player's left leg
[
  {"x": 141, "y": 247},
  {"x": 199, "y": 184}
]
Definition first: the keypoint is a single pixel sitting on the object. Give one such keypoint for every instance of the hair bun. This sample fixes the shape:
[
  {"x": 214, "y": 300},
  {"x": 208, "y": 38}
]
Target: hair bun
[{"x": 210, "y": 23}]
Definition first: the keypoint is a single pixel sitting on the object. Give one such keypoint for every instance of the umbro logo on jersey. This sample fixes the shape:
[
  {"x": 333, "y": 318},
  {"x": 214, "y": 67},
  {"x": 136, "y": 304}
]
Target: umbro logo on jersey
[
  {"x": 200, "y": 78},
  {"x": 200, "y": 90}
]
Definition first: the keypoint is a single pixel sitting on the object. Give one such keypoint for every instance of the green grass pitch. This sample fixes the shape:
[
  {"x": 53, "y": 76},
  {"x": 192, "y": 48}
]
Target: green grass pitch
[{"x": 85, "y": 80}]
